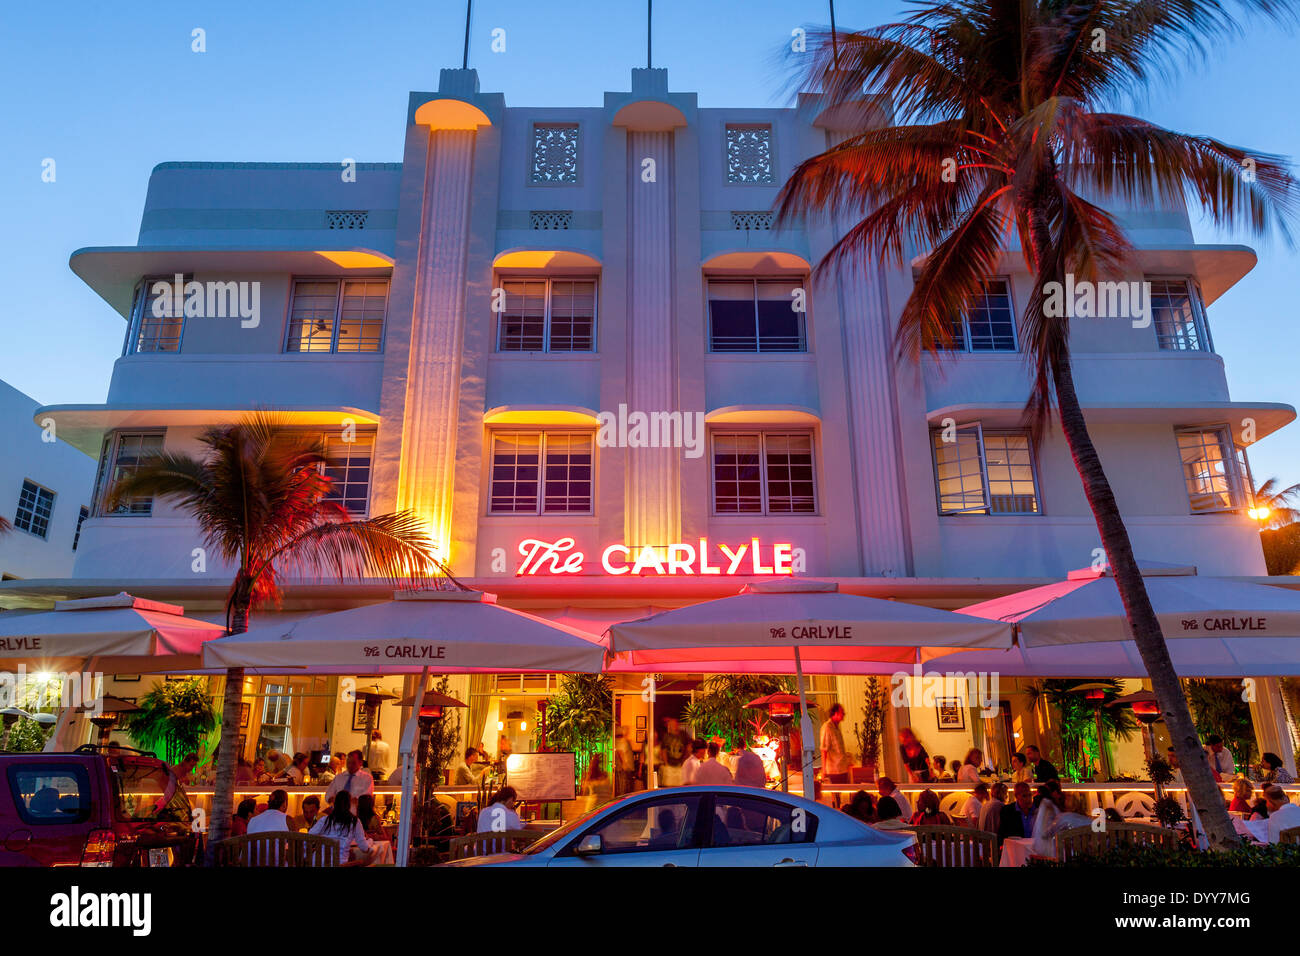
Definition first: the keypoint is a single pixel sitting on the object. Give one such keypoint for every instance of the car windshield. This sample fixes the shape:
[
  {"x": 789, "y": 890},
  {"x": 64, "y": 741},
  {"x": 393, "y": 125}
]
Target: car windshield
[
  {"x": 148, "y": 792},
  {"x": 555, "y": 836}
]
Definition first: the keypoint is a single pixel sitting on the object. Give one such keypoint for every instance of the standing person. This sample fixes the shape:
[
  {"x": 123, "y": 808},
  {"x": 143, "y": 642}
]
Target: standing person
[
  {"x": 915, "y": 759},
  {"x": 1221, "y": 763},
  {"x": 699, "y": 750},
  {"x": 991, "y": 814},
  {"x": 380, "y": 756},
  {"x": 975, "y": 805},
  {"x": 356, "y": 781},
  {"x": 886, "y": 788},
  {"x": 1043, "y": 769},
  {"x": 969, "y": 772},
  {"x": 712, "y": 772},
  {"x": 749, "y": 768},
  {"x": 500, "y": 814},
  {"x": 185, "y": 769},
  {"x": 835, "y": 760},
  {"x": 273, "y": 819},
  {"x": 597, "y": 784},
  {"x": 674, "y": 747},
  {"x": 624, "y": 762},
  {"x": 310, "y": 811},
  {"x": 342, "y": 825}
]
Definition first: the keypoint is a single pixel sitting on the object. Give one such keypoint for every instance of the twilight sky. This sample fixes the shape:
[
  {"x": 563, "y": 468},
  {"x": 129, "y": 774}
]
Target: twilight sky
[{"x": 110, "y": 90}]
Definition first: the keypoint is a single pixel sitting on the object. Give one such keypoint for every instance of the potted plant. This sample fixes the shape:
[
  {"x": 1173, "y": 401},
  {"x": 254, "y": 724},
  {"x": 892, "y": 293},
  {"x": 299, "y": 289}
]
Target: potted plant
[
  {"x": 174, "y": 719},
  {"x": 873, "y": 723}
]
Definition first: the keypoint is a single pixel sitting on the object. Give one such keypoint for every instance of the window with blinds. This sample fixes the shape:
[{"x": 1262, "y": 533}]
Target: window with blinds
[{"x": 327, "y": 315}]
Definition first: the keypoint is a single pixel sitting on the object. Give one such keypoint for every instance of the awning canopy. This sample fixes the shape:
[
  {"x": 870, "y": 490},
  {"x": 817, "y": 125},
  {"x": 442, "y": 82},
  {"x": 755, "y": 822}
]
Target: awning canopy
[
  {"x": 757, "y": 632},
  {"x": 122, "y": 633},
  {"x": 449, "y": 632}
]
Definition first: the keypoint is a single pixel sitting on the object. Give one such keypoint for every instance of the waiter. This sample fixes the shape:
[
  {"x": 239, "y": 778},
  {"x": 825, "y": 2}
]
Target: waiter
[{"x": 356, "y": 780}]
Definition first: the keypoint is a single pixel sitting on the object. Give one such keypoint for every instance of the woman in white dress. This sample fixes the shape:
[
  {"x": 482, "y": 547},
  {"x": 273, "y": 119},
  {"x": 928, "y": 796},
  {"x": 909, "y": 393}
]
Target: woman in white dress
[{"x": 343, "y": 826}]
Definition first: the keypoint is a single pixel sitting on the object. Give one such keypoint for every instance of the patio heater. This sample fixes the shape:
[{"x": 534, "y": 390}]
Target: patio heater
[
  {"x": 1146, "y": 708},
  {"x": 372, "y": 696},
  {"x": 111, "y": 711},
  {"x": 780, "y": 709}
]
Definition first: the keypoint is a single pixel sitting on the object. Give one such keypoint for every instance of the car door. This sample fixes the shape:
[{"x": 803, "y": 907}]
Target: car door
[
  {"x": 756, "y": 831},
  {"x": 53, "y": 805},
  {"x": 656, "y": 831}
]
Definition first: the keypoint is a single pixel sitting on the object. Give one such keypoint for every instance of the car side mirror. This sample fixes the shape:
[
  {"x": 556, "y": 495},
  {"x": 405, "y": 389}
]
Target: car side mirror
[{"x": 590, "y": 845}]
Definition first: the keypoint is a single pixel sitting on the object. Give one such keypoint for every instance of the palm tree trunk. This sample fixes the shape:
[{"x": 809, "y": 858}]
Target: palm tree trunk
[
  {"x": 223, "y": 791},
  {"x": 1143, "y": 624}
]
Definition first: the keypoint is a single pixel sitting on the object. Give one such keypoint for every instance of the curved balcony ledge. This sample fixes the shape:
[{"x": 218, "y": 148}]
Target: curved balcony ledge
[
  {"x": 1268, "y": 416},
  {"x": 541, "y": 415},
  {"x": 83, "y": 426},
  {"x": 763, "y": 415},
  {"x": 113, "y": 271}
]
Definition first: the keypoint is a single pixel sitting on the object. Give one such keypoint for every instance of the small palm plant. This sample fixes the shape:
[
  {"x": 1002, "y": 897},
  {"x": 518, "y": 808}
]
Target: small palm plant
[
  {"x": 262, "y": 503},
  {"x": 1277, "y": 505}
]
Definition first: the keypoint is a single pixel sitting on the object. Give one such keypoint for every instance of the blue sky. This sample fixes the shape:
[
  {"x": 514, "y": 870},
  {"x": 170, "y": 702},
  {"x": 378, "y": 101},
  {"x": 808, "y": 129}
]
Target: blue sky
[{"x": 110, "y": 90}]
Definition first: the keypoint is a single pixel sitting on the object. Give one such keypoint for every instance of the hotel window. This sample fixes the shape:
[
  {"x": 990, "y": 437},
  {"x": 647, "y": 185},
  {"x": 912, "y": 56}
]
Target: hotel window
[
  {"x": 547, "y": 315},
  {"x": 555, "y": 154},
  {"x": 82, "y": 515},
  {"x": 337, "y": 316},
  {"x": 121, "y": 455},
  {"x": 984, "y": 472},
  {"x": 763, "y": 473},
  {"x": 756, "y": 315},
  {"x": 989, "y": 325},
  {"x": 541, "y": 473},
  {"x": 277, "y": 712},
  {"x": 1177, "y": 315},
  {"x": 35, "y": 505},
  {"x": 749, "y": 153},
  {"x": 347, "y": 466},
  {"x": 1215, "y": 471},
  {"x": 150, "y": 331}
]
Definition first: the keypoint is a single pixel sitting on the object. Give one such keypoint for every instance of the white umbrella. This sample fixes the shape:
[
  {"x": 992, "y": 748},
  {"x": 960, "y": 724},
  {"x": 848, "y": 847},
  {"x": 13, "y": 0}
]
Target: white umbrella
[
  {"x": 793, "y": 621},
  {"x": 417, "y": 632},
  {"x": 118, "y": 634},
  {"x": 1215, "y": 627}
]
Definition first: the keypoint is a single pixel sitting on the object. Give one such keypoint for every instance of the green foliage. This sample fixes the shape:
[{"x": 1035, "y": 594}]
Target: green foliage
[
  {"x": 580, "y": 718},
  {"x": 442, "y": 739},
  {"x": 720, "y": 710},
  {"x": 1078, "y": 722},
  {"x": 873, "y": 721},
  {"x": 1169, "y": 812},
  {"x": 1159, "y": 771},
  {"x": 174, "y": 719},
  {"x": 1150, "y": 856},
  {"x": 1281, "y": 549},
  {"x": 1218, "y": 708},
  {"x": 26, "y": 736}
]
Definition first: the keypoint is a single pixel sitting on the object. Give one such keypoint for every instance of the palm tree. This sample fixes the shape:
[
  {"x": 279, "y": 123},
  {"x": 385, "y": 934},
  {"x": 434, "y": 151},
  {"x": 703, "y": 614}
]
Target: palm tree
[
  {"x": 260, "y": 499},
  {"x": 1277, "y": 503},
  {"x": 1001, "y": 129}
]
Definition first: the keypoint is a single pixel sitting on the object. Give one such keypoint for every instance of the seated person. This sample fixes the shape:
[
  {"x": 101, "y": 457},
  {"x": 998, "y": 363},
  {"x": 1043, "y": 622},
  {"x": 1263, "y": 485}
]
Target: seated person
[
  {"x": 500, "y": 813},
  {"x": 467, "y": 773},
  {"x": 888, "y": 816}
]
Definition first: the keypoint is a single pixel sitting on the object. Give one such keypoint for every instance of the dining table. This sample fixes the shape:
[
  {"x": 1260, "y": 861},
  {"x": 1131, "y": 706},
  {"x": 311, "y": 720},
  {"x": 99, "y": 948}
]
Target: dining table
[{"x": 1016, "y": 851}]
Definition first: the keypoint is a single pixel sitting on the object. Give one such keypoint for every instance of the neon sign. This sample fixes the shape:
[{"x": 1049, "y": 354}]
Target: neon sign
[{"x": 561, "y": 557}]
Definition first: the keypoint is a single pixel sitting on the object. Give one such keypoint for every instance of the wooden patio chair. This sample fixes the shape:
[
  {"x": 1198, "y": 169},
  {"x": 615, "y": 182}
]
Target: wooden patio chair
[
  {"x": 485, "y": 844},
  {"x": 1085, "y": 841},
  {"x": 955, "y": 846},
  {"x": 277, "y": 850}
]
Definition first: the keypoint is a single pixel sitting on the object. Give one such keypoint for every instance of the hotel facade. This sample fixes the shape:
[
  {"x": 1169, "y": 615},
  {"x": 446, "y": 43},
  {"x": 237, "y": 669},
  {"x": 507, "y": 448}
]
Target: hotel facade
[{"x": 572, "y": 340}]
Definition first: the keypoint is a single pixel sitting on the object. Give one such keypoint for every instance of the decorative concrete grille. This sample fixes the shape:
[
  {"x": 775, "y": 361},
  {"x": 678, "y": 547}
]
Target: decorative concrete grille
[
  {"x": 751, "y": 220},
  {"x": 555, "y": 153},
  {"x": 550, "y": 218},
  {"x": 346, "y": 218},
  {"x": 749, "y": 154}
]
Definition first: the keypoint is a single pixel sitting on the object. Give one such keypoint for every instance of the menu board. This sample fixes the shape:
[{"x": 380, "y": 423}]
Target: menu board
[{"x": 543, "y": 777}]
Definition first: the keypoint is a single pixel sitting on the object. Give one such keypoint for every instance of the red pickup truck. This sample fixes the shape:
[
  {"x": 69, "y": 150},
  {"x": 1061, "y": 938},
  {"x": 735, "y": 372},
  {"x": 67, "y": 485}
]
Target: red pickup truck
[{"x": 94, "y": 806}]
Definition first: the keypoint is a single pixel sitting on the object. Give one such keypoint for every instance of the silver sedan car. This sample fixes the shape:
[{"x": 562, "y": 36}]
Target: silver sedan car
[{"x": 712, "y": 826}]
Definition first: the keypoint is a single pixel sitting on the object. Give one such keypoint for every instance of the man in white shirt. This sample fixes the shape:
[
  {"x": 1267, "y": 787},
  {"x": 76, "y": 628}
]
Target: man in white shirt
[
  {"x": 273, "y": 819},
  {"x": 885, "y": 787},
  {"x": 971, "y": 811},
  {"x": 379, "y": 758},
  {"x": 1221, "y": 762},
  {"x": 356, "y": 780},
  {"x": 711, "y": 772},
  {"x": 1282, "y": 813},
  {"x": 693, "y": 762},
  {"x": 749, "y": 769}
]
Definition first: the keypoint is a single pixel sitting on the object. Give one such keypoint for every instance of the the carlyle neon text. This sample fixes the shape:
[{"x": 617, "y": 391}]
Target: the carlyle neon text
[{"x": 559, "y": 557}]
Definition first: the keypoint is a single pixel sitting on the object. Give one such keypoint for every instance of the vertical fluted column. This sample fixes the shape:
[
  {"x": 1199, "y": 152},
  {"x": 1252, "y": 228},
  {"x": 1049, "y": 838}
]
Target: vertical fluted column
[
  {"x": 868, "y": 356},
  {"x": 437, "y": 328},
  {"x": 653, "y": 495}
]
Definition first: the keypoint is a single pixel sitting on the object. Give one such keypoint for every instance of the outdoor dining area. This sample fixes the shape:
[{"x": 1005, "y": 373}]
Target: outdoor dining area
[{"x": 801, "y": 628}]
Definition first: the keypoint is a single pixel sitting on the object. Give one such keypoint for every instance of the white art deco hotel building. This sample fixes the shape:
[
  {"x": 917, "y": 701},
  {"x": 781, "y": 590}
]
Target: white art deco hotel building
[{"x": 468, "y": 313}]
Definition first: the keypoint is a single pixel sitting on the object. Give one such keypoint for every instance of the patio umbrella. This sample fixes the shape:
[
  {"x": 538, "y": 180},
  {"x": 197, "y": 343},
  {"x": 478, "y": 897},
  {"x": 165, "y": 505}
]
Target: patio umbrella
[
  {"x": 113, "y": 635},
  {"x": 447, "y": 632},
  {"x": 1215, "y": 627},
  {"x": 774, "y": 627}
]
